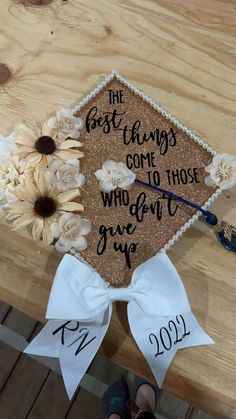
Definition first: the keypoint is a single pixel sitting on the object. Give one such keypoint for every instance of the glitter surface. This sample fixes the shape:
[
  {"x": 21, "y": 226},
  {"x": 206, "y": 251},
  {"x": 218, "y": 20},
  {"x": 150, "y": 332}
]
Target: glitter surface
[{"x": 151, "y": 234}]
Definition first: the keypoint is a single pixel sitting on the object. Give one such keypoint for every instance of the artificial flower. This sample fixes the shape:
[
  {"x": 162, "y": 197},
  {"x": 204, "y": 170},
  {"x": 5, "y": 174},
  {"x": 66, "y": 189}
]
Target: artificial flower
[
  {"x": 40, "y": 204},
  {"x": 66, "y": 124},
  {"x": 39, "y": 145},
  {"x": 222, "y": 171},
  {"x": 67, "y": 176},
  {"x": 72, "y": 229},
  {"x": 114, "y": 175},
  {"x": 7, "y": 147},
  {"x": 12, "y": 172}
]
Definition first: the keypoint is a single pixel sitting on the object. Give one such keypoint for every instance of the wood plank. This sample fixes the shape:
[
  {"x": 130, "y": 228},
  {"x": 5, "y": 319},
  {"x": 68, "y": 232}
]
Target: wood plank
[
  {"x": 52, "y": 402},
  {"x": 4, "y": 308},
  {"x": 22, "y": 324},
  {"x": 85, "y": 406},
  {"x": 172, "y": 407},
  {"x": 185, "y": 59},
  {"x": 105, "y": 370},
  {"x": 22, "y": 388}
]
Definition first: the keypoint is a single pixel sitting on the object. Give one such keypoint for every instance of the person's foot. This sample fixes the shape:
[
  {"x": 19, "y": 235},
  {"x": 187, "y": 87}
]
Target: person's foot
[
  {"x": 114, "y": 401},
  {"x": 146, "y": 396}
]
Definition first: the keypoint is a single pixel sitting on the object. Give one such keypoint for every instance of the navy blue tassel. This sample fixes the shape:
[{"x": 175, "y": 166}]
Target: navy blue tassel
[{"x": 226, "y": 234}]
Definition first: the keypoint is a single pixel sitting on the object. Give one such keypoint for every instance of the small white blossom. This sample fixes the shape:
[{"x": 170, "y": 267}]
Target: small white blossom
[
  {"x": 71, "y": 230},
  {"x": 114, "y": 175},
  {"x": 7, "y": 147},
  {"x": 66, "y": 124},
  {"x": 11, "y": 175},
  {"x": 66, "y": 176},
  {"x": 222, "y": 171}
]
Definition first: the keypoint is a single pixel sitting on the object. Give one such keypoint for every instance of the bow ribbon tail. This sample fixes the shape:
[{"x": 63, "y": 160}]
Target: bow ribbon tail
[
  {"x": 74, "y": 342},
  {"x": 159, "y": 337}
]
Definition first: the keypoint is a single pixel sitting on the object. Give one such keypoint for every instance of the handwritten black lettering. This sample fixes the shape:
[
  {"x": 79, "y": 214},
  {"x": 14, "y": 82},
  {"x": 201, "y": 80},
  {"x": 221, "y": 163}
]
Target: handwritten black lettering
[
  {"x": 84, "y": 334},
  {"x": 182, "y": 176},
  {"x": 141, "y": 207},
  {"x": 169, "y": 335},
  {"x": 116, "y": 198},
  {"x": 63, "y": 328},
  {"x": 116, "y": 96},
  {"x": 140, "y": 160},
  {"x": 108, "y": 121},
  {"x": 106, "y": 232},
  {"x": 127, "y": 250}
]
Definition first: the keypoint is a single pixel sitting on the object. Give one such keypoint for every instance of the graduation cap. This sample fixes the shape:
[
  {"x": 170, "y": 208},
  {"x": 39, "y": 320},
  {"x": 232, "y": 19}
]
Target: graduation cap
[{"x": 146, "y": 179}]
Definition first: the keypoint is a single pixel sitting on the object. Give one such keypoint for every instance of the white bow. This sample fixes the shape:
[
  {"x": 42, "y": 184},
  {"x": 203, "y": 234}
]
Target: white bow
[
  {"x": 156, "y": 288},
  {"x": 80, "y": 307}
]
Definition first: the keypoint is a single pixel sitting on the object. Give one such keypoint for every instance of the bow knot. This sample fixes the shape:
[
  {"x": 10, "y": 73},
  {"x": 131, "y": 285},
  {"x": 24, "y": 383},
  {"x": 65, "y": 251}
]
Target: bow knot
[{"x": 120, "y": 294}]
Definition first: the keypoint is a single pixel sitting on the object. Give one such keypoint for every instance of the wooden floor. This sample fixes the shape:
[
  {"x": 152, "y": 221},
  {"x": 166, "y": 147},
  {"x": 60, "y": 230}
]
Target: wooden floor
[{"x": 30, "y": 390}]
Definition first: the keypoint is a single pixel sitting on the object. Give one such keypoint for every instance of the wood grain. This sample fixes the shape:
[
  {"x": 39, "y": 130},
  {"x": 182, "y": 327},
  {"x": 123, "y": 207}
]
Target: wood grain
[{"x": 180, "y": 53}]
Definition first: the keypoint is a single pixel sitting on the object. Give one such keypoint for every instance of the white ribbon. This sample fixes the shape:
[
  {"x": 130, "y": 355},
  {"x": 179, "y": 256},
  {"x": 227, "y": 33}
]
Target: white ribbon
[{"x": 80, "y": 308}]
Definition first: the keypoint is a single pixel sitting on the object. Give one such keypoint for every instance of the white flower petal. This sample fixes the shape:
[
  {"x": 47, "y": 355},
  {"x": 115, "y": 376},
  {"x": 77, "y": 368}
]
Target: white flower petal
[
  {"x": 80, "y": 179},
  {"x": 55, "y": 164},
  {"x": 209, "y": 182},
  {"x": 79, "y": 123},
  {"x": 109, "y": 165},
  {"x": 22, "y": 221},
  {"x": 52, "y": 122},
  {"x": 33, "y": 159},
  {"x": 228, "y": 184},
  {"x": 107, "y": 186},
  {"x": 47, "y": 235},
  {"x": 37, "y": 228},
  {"x": 46, "y": 130},
  {"x": 64, "y": 218},
  {"x": 85, "y": 226},
  {"x": 125, "y": 183},
  {"x": 74, "y": 162},
  {"x": 62, "y": 246},
  {"x": 101, "y": 174},
  {"x": 67, "y": 113},
  {"x": 68, "y": 196},
  {"x": 217, "y": 159},
  {"x": 209, "y": 168},
  {"x": 230, "y": 160},
  {"x": 65, "y": 145},
  {"x": 55, "y": 229},
  {"x": 74, "y": 133},
  {"x": 80, "y": 243},
  {"x": 71, "y": 206}
]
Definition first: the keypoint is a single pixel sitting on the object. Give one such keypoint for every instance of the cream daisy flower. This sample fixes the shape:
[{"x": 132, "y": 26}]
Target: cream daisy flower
[
  {"x": 40, "y": 145},
  {"x": 40, "y": 204}
]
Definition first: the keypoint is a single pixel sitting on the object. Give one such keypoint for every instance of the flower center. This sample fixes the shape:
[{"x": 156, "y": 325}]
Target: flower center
[
  {"x": 45, "y": 206},
  {"x": 224, "y": 171},
  {"x": 45, "y": 145}
]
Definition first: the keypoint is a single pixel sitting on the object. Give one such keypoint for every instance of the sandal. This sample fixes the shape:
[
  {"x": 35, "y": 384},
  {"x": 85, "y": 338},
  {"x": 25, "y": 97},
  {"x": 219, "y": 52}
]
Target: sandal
[
  {"x": 115, "y": 400},
  {"x": 133, "y": 407}
]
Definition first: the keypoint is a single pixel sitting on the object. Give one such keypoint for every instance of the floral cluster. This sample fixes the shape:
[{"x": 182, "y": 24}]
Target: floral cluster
[
  {"x": 114, "y": 175},
  {"x": 40, "y": 181},
  {"x": 222, "y": 171}
]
